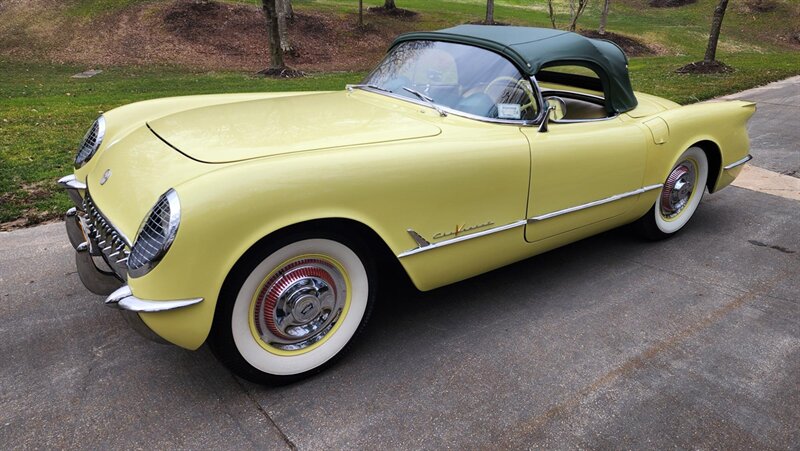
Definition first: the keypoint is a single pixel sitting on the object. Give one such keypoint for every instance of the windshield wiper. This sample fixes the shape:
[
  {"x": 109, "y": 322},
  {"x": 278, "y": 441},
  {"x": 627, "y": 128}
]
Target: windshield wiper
[
  {"x": 366, "y": 85},
  {"x": 427, "y": 100}
]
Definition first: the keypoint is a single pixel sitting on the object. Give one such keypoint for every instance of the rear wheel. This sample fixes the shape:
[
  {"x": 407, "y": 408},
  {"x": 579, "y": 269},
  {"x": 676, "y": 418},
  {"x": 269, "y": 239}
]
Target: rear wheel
[
  {"x": 679, "y": 197},
  {"x": 291, "y": 308}
]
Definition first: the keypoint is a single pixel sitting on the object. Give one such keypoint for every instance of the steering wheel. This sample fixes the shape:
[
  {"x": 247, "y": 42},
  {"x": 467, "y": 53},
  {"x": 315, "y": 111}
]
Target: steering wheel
[{"x": 513, "y": 83}]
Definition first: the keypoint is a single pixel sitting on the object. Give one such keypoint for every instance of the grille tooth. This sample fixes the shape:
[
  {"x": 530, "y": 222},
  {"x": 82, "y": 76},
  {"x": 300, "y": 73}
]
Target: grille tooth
[{"x": 105, "y": 237}]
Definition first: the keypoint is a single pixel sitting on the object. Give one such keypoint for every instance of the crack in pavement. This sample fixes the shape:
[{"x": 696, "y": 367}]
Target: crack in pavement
[
  {"x": 771, "y": 246},
  {"x": 289, "y": 443},
  {"x": 641, "y": 360}
]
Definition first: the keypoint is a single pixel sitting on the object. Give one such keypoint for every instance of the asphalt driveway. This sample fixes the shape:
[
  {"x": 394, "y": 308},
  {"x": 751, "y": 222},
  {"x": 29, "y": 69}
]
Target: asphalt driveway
[{"x": 610, "y": 342}]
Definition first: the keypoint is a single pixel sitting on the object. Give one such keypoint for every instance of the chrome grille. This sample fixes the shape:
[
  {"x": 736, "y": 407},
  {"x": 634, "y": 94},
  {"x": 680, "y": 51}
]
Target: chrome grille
[
  {"x": 105, "y": 239},
  {"x": 153, "y": 236}
]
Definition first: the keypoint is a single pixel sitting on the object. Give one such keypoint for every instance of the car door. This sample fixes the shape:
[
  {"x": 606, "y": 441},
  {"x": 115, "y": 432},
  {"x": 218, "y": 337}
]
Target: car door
[{"x": 582, "y": 173}]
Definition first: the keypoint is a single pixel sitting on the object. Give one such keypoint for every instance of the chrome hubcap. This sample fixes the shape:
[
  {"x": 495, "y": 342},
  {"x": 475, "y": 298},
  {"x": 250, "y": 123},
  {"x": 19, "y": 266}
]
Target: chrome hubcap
[
  {"x": 300, "y": 304},
  {"x": 678, "y": 189}
]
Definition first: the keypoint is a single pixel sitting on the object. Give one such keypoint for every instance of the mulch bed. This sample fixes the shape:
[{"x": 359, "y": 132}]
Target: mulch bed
[
  {"x": 670, "y": 3},
  {"x": 483, "y": 22},
  {"x": 394, "y": 12},
  {"x": 216, "y": 35},
  {"x": 281, "y": 73},
  {"x": 703, "y": 67},
  {"x": 760, "y": 6},
  {"x": 630, "y": 46}
]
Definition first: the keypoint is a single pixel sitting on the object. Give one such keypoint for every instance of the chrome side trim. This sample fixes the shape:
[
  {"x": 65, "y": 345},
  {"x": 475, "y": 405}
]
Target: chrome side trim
[
  {"x": 431, "y": 246},
  {"x": 124, "y": 299},
  {"x": 613, "y": 198},
  {"x": 736, "y": 164},
  {"x": 459, "y": 239}
]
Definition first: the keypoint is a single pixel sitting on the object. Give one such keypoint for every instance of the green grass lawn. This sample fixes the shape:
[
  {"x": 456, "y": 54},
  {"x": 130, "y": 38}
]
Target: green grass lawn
[{"x": 44, "y": 112}]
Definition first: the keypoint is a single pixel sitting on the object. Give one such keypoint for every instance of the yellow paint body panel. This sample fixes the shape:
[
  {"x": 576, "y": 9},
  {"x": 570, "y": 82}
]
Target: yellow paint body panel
[{"x": 386, "y": 163}]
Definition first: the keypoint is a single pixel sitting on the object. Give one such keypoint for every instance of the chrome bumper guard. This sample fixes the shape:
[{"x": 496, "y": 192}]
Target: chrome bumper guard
[
  {"x": 124, "y": 299},
  {"x": 736, "y": 164},
  {"x": 101, "y": 253},
  {"x": 73, "y": 187}
]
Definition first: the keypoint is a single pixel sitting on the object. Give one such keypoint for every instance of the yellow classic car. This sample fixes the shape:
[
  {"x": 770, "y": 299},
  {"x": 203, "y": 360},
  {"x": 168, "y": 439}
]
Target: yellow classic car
[{"x": 260, "y": 223}]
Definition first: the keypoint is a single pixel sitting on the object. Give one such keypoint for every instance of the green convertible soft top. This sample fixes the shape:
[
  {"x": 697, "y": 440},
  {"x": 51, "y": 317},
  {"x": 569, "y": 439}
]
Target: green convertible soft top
[{"x": 533, "y": 49}]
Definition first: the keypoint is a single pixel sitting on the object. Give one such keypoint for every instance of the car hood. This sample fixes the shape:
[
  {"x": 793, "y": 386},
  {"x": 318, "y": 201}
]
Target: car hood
[{"x": 246, "y": 129}]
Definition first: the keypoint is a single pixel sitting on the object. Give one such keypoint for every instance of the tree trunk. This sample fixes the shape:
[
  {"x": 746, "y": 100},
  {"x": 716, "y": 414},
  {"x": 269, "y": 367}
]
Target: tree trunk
[
  {"x": 489, "y": 11},
  {"x": 286, "y": 7},
  {"x": 604, "y": 17},
  {"x": 275, "y": 52},
  {"x": 360, "y": 13},
  {"x": 716, "y": 26},
  {"x": 550, "y": 11},
  {"x": 284, "y": 14},
  {"x": 389, "y": 4}
]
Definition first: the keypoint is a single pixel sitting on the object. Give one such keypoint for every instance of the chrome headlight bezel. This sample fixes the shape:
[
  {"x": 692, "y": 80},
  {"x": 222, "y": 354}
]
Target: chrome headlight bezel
[
  {"x": 156, "y": 234},
  {"x": 91, "y": 142}
]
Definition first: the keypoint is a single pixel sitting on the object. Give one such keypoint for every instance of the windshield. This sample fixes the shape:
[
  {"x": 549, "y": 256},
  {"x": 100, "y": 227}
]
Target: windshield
[{"x": 458, "y": 77}]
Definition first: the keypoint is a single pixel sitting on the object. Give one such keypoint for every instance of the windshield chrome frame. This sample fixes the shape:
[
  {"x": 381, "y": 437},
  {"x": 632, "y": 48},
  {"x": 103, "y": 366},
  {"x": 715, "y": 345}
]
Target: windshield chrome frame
[{"x": 518, "y": 122}]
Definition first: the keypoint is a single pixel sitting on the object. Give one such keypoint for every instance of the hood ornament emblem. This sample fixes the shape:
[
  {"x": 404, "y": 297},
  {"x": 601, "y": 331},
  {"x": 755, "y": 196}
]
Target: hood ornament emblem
[{"x": 105, "y": 177}]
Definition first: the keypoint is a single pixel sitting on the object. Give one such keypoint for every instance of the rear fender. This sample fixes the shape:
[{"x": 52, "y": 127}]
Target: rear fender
[{"x": 707, "y": 125}]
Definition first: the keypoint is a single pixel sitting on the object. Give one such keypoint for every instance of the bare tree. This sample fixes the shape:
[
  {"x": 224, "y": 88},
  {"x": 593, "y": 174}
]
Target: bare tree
[
  {"x": 360, "y": 13},
  {"x": 489, "y": 12},
  {"x": 389, "y": 4},
  {"x": 604, "y": 17},
  {"x": 576, "y": 9},
  {"x": 552, "y": 14},
  {"x": 716, "y": 26}
]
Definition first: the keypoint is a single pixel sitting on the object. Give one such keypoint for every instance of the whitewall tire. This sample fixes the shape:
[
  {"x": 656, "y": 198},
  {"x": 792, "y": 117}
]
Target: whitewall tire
[
  {"x": 679, "y": 197},
  {"x": 291, "y": 308}
]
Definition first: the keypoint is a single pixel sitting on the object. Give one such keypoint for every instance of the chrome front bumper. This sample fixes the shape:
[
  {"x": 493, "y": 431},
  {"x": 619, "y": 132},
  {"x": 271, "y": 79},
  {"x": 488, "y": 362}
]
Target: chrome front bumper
[{"x": 100, "y": 257}]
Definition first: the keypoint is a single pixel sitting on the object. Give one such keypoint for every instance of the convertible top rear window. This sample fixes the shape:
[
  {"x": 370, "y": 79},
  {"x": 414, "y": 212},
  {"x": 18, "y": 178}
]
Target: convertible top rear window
[{"x": 576, "y": 80}]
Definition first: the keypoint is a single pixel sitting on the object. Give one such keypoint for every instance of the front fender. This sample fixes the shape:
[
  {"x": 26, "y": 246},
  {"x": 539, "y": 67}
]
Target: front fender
[{"x": 428, "y": 184}]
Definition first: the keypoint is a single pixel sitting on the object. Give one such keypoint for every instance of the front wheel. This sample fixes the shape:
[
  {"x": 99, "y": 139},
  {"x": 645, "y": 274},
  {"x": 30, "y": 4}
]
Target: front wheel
[
  {"x": 291, "y": 308},
  {"x": 679, "y": 197}
]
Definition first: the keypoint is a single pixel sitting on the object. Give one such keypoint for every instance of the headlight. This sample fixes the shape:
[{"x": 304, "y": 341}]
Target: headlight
[
  {"x": 91, "y": 142},
  {"x": 156, "y": 234}
]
